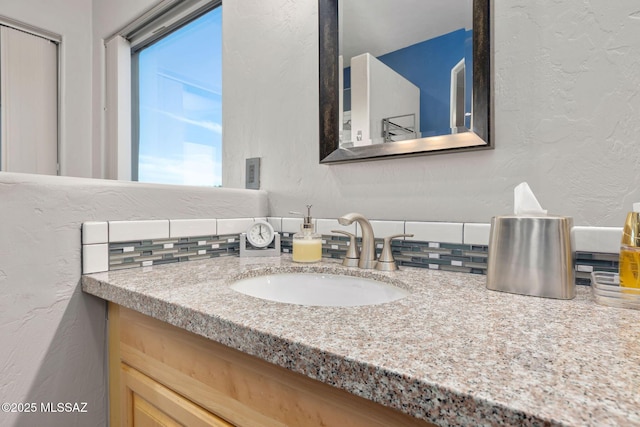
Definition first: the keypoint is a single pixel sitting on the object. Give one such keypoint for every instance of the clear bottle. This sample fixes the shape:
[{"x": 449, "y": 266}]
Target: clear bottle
[
  {"x": 630, "y": 250},
  {"x": 307, "y": 244}
]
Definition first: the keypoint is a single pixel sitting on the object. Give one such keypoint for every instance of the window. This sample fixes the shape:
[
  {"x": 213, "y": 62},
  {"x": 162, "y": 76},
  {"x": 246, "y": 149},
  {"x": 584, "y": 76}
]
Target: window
[{"x": 177, "y": 105}]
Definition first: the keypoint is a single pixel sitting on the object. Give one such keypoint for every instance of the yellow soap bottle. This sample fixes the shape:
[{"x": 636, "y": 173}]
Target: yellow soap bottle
[
  {"x": 307, "y": 244},
  {"x": 630, "y": 250}
]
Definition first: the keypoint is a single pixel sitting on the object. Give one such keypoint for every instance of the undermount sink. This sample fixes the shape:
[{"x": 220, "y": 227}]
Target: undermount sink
[{"x": 319, "y": 289}]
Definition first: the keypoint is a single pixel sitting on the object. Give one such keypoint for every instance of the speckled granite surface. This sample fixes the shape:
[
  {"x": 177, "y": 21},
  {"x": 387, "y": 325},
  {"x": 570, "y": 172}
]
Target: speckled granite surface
[{"x": 452, "y": 352}]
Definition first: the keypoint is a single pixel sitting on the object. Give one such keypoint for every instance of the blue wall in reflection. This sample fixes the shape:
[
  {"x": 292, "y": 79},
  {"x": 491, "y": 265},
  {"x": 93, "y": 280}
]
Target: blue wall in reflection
[{"x": 428, "y": 65}]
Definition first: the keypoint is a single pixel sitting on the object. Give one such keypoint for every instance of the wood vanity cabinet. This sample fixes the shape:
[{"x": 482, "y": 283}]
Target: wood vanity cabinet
[
  {"x": 161, "y": 375},
  {"x": 149, "y": 403}
]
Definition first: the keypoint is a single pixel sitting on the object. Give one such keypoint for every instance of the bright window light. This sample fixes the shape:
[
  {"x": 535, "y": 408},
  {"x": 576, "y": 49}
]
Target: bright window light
[{"x": 180, "y": 105}]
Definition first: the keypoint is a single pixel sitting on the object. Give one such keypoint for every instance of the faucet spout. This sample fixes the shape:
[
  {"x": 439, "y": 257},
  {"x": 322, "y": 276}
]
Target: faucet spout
[{"x": 368, "y": 251}]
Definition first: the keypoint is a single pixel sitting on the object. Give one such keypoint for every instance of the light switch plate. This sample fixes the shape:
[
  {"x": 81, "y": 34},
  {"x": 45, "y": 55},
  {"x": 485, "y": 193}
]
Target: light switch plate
[{"x": 252, "y": 176}]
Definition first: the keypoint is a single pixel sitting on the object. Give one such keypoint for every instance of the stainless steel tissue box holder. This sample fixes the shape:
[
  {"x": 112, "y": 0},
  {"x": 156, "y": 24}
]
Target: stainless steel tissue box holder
[{"x": 531, "y": 255}]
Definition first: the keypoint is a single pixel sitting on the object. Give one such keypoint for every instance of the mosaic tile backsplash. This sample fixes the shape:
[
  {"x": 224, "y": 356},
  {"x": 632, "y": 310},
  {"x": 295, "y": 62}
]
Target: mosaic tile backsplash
[
  {"x": 102, "y": 251},
  {"x": 433, "y": 255},
  {"x": 455, "y": 257},
  {"x": 144, "y": 253},
  {"x": 586, "y": 262}
]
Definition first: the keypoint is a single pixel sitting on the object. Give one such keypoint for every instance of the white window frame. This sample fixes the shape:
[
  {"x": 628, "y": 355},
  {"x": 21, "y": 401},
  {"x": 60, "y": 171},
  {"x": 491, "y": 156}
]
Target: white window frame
[{"x": 120, "y": 133}]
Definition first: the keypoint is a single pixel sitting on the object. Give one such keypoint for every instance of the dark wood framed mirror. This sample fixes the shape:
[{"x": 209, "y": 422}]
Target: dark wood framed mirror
[{"x": 387, "y": 136}]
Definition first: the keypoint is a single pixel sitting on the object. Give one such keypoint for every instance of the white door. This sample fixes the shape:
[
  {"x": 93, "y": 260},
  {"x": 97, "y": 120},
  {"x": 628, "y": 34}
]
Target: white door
[{"x": 28, "y": 103}]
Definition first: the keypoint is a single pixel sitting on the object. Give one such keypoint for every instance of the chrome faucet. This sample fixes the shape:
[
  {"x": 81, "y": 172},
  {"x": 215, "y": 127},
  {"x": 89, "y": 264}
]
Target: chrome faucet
[{"x": 368, "y": 251}]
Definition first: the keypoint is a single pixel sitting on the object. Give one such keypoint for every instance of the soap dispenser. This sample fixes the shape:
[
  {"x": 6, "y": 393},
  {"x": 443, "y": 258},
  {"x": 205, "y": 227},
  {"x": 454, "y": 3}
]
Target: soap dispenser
[
  {"x": 630, "y": 250},
  {"x": 307, "y": 244}
]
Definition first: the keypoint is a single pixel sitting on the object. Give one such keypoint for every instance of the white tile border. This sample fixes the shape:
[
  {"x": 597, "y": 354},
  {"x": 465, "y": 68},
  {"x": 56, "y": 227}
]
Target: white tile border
[
  {"x": 596, "y": 239},
  {"x": 291, "y": 225},
  {"x": 276, "y": 223},
  {"x": 95, "y": 258},
  {"x": 234, "y": 225},
  {"x": 325, "y": 225},
  {"x": 192, "y": 227},
  {"x": 476, "y": 234},
  {"x": 124, "y": 231},
  {"x": 387, "y": 228},
  {"x": 97, "y": 234},
  {"x": 442, "y": 232}
]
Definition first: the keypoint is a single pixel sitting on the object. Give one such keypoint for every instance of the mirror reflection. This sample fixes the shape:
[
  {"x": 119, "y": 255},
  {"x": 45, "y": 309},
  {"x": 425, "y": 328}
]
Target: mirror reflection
[
  {"x": 406, "y": 69},
  {"x": 403, "y": 78}
]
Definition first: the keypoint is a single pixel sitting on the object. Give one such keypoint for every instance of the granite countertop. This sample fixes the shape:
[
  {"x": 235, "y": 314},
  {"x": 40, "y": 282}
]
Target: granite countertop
[{"x": 452, "y": 352}]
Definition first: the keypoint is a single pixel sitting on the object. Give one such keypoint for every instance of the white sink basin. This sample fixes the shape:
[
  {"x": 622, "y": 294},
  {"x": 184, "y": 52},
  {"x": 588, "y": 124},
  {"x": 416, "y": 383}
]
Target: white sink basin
[{"x": 319, "y": 289}]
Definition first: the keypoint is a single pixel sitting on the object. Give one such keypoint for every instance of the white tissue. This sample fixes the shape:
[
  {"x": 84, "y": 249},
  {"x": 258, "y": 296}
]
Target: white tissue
[{"x": 524, "y": 202}]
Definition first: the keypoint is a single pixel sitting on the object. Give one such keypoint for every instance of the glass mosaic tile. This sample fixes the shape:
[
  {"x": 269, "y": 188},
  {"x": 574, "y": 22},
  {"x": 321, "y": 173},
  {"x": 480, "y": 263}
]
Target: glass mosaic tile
[
  {"x": 586, "y": 262},
  {"x": 435, "y": 255},
  {"x": 163, "y": 251}
]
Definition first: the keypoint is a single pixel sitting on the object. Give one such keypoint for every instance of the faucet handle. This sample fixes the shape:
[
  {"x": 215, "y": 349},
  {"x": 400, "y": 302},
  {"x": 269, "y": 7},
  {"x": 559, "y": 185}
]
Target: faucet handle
[
  {"x": 386, "y": 262},
  {"x": 353, "y": 254}
]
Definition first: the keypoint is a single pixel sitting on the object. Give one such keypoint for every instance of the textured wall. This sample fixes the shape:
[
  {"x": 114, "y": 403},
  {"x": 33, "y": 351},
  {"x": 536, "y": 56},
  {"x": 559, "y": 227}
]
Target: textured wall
[
  {"x": 53, "y": 335},
  {"x": 566, "y": 118}
]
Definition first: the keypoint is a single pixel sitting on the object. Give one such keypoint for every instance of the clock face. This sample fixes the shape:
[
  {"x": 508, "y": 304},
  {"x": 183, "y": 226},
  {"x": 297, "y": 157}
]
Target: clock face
[{"x": 260, "y": 234}]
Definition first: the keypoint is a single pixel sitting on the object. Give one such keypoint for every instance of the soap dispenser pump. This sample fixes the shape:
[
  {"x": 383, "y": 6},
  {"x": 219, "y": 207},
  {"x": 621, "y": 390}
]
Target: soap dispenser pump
[
  {"x": 307, "y": 244},
  {"x": 630, "y": 250}
]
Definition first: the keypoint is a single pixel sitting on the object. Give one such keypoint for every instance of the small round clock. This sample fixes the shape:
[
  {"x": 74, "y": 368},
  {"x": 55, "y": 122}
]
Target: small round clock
[{"x": 260, "y": 234}]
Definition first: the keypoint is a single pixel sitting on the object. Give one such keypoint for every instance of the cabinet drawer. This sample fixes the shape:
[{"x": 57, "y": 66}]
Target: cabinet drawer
[{"x": 150, "y": 404}]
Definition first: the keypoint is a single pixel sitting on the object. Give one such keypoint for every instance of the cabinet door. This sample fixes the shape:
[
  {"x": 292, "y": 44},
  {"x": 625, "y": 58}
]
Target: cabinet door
[
  {"x": 146, "y": 403},
  {"x": 29, "y": 99},
  {"x": 147, "y": 415}
]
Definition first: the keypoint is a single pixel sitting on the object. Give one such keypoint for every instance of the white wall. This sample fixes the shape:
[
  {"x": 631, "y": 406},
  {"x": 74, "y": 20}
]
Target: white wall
[
  {"x": 390, "y": 95},
  {"x": 270, "y": 98},
  {"x": 108, "y": 17},
  {"x": 53, "y": 335},
  {"x": 70, "y": 19},
  {"x": 566, "y": 118},
  {"x": 565, "y": 111},
  {"x": 379, "y": 92}
]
